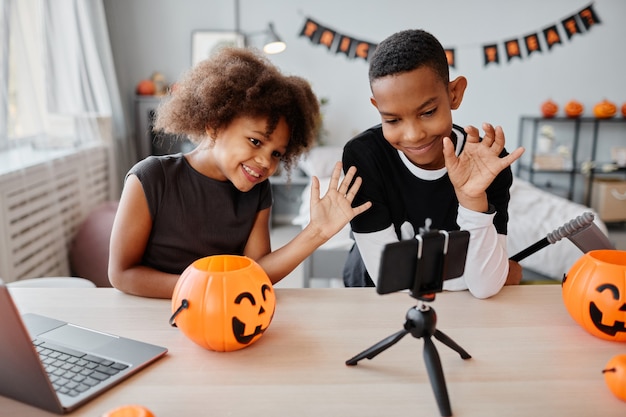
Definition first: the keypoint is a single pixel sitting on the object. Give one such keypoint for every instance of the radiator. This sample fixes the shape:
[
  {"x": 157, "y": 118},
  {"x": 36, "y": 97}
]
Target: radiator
[{"x": 42, "y": 206}]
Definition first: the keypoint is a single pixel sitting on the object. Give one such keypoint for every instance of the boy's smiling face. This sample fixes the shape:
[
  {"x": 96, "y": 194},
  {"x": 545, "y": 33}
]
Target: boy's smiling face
[{"x": 415, "y": 109}]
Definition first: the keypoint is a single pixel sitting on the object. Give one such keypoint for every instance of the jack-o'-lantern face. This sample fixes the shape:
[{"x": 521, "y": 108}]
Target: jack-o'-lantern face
[
  {"x": 252, "y": 317},
  {"x": 607, "y": 312},
  {"x": 594, "y": 293},
  {"x": 223, "y": 302}
]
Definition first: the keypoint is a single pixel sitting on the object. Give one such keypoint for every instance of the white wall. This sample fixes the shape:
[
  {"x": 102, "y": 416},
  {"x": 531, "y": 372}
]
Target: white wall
[{"x": 155, "y": 35}]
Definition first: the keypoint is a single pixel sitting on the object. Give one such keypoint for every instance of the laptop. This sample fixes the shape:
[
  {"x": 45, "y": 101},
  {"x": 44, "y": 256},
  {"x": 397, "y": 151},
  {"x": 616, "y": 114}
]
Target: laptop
[{"x": 58, "y": 366}]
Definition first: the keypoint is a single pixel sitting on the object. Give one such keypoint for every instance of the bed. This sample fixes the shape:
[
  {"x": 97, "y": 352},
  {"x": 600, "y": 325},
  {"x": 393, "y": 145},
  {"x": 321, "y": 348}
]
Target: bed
[{"x": 528, "y": 204}]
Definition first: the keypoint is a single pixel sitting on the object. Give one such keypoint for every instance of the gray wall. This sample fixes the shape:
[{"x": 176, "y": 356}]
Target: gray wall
[{"x": 155, "y": 35}]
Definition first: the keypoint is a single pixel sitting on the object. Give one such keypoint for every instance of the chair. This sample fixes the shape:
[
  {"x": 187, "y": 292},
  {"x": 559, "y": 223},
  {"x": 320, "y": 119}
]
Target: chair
[{"x": 89, "y": 250}]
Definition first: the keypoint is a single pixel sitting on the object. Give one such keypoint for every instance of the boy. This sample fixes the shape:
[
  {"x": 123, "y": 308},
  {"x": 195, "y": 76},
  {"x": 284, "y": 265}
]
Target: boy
[{"x": 418, "y": 165}]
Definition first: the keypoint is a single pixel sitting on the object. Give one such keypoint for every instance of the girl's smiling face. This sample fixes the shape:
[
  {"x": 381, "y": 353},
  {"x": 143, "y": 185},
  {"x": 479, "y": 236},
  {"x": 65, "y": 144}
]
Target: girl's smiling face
[
  {"x": 415, "y": 109},
  {"x": 244, "y": 154}
]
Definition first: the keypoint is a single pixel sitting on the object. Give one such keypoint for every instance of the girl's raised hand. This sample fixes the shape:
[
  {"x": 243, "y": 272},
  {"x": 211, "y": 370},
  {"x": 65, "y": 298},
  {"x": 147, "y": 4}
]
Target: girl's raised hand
[{"x": 334, "y": 210}]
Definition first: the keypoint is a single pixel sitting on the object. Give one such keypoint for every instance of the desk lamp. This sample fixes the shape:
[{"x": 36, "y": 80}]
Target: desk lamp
[{"x": 273, "y": 43}]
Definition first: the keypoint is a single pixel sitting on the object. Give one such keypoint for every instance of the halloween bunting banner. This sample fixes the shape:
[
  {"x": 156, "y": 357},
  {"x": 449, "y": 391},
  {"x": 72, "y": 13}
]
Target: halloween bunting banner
[
  {"x": 553, "y": 34},
  {"x": 336, "y": 42}
]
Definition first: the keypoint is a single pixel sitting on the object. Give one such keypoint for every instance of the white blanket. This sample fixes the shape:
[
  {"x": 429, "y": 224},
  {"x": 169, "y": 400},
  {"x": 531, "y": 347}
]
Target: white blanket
[{"x": 533, "y": 213}]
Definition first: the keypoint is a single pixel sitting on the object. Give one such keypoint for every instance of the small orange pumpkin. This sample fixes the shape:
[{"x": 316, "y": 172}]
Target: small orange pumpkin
[
  {"x": 594, "y": 293},
  {"x": 615, "y": 376},
  {"x": 146, "y": 88},
  {"x": 223, "y": 302},
  {"x": 574, "y": 109},
  {"x": 605, "y": 109},
  {"x": 130, "y": 410},
  {"x": 624, "y": 109},
  {"x": 549, "y": 109}
]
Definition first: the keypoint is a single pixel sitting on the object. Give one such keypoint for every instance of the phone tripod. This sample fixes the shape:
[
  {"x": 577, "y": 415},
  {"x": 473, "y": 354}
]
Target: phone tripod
[{"x": 421, "y": 322}]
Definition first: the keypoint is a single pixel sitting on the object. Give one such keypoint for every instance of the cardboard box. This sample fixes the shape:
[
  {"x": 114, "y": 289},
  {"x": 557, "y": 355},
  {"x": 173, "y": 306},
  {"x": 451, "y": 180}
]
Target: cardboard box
[
  {"x": 608, "y": 199},
  {"x": 549, "y": 162}
]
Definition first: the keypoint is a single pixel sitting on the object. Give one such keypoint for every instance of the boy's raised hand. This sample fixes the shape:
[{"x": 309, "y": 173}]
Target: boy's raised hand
[
  {"x": 478, "y": 165},
  {"x": 333, "y": 211}
]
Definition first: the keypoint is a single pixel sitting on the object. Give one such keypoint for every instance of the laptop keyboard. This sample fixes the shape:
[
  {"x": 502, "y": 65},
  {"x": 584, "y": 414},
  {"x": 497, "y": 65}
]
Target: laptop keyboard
[{"x": 72, "y": 372}]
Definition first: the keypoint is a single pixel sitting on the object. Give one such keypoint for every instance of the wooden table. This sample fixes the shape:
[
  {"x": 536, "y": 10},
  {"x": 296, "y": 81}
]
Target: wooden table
[{"x": 529, "y": 358}]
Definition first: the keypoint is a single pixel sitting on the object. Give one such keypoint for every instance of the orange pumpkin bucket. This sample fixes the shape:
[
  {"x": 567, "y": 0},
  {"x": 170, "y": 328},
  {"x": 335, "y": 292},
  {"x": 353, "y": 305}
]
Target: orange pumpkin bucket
[
  {"x": 594, "y": 293},
  {"x": 223, "y": 302}
]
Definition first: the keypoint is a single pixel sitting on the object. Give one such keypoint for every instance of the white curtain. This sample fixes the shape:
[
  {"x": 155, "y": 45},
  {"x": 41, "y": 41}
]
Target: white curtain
[
  {"x": 63, "y": 90},
  {"x": 59, "y": 102}
]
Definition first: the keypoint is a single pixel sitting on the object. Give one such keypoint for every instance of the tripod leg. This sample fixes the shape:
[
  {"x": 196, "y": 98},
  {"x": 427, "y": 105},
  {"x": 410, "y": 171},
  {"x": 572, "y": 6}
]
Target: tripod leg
[
  {"x": 451, "y": 344},
  {"x": 437, "y": 379},
  {"x": 378, "y": 347}
]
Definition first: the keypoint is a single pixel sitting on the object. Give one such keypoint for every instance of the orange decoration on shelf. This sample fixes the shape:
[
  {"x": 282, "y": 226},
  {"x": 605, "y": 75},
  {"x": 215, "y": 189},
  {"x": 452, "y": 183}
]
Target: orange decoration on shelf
[
  {"x": 223, "y": 302},
  {"x": 604, "y": 109},
  {"x": 574, "y": 109},
  {"x": 624, "y": 109},
  {"x": 549, "y": 109},
  {"x": 131, "y": 410},
  {"x": 615, "y": 376},
  {"x": 594, "y": 293},
  {"x": 146, "y": 88}
]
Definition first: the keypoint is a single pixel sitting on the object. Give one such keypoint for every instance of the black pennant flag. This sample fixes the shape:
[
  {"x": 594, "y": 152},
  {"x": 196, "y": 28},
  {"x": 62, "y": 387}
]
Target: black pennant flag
[
  {"x": 362, "y": 49},
  {"x": 345, "y": 45},
  {"x": 532, "y": 43},
  {"x": 512, "y": 49},
  {"x": 451, "y": 57},
  {"x": 588, "y": 16},
  {"x": 327, "y": 38},
  {"x": 552, "y": 37},
  {"x": 311, "y": 30},
  {"x": 571, "y": 26},
  {"x": 491, "y": 54}
]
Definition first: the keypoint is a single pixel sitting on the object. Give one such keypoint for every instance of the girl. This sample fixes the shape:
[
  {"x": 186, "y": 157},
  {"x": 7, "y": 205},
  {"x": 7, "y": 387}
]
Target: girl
[{"x": 246, "y": 118}]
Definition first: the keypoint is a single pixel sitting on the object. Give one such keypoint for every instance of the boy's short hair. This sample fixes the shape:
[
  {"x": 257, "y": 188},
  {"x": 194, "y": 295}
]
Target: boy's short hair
[{"x": 408, "y": 50}]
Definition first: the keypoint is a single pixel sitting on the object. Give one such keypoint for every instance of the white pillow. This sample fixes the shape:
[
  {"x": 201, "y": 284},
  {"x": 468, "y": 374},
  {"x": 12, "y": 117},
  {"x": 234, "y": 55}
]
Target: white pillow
[{"x": 320, "y": 161}]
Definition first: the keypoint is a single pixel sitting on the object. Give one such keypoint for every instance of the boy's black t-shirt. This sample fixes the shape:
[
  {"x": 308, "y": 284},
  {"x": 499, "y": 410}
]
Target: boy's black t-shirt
[{"x": 399, "y": 196}]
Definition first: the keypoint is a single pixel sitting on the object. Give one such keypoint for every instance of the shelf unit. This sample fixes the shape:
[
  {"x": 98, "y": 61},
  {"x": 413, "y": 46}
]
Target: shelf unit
[
  {"x": 148, "y": 142},
  {"x": 583, "y": 148},
  {"x": 287, "y": 194}
]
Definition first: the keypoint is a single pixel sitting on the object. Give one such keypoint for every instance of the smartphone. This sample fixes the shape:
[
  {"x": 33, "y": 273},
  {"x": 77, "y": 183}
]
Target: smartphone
[{"x": 422, "y": 264}]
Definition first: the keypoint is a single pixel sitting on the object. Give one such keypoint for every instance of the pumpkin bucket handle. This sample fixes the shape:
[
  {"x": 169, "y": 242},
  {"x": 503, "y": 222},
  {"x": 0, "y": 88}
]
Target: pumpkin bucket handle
[{"x": 183, "y": 305}]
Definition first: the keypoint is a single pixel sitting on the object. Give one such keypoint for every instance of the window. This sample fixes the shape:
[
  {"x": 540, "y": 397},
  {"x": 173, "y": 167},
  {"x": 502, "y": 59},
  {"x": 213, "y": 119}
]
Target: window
[
  {"x": 23, "y": 97},
  {"x": 51, "y": 79}
]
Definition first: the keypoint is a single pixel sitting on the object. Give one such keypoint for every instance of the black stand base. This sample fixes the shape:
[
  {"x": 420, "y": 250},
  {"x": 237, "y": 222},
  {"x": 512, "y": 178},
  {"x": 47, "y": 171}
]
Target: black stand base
[{"x": 421, "y": 322}]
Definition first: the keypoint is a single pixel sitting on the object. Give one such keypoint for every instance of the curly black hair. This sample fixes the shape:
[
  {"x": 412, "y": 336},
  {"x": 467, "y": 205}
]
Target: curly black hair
[
  {"x": 238, "y": 82},
  {"x": 408, "y": 50}
]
